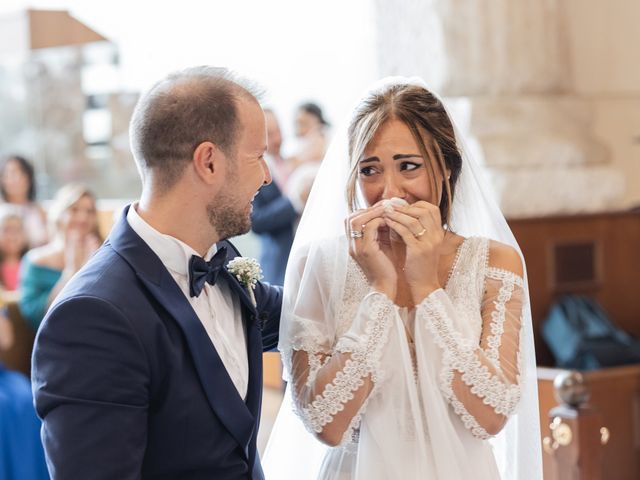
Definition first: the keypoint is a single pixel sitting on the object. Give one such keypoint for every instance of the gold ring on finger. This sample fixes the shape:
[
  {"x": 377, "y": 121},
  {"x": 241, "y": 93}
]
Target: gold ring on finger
[{"x": 419, "y": 234}]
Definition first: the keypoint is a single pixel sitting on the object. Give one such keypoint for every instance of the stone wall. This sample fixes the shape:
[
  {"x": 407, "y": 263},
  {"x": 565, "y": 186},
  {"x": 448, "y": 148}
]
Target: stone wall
[{"x": 557, "y": 134}]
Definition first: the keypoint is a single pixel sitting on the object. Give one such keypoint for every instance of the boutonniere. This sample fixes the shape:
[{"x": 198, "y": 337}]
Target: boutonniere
[{"x": 248, "y": 272}]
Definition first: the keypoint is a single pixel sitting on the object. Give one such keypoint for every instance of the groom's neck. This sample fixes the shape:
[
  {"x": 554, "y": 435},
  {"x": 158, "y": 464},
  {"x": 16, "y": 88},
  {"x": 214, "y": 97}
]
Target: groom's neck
[{"x": 180, "y": 215}]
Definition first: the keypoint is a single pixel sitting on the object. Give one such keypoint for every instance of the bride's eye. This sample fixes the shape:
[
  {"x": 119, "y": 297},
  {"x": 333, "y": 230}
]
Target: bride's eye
[
  {"x": 409, "y": 166},
  {"x": 367, "y": 171}
]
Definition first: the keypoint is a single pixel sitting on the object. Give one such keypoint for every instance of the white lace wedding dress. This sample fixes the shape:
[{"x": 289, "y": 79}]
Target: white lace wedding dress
[{"x": 404, "y": 394}]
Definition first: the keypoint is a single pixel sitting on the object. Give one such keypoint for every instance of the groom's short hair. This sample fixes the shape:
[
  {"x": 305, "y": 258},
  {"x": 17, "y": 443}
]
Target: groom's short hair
[{"x": 181, "y": 111}]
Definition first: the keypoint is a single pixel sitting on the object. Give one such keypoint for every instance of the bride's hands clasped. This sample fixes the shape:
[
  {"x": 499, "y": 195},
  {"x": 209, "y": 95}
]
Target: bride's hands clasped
[
  {"x": 362, "y": 229},
  {"x": 419, "y": 226}
]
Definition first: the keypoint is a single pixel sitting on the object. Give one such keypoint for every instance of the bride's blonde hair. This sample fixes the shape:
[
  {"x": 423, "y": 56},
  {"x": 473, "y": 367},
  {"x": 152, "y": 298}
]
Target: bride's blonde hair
[{"x": 425, "y": 116}]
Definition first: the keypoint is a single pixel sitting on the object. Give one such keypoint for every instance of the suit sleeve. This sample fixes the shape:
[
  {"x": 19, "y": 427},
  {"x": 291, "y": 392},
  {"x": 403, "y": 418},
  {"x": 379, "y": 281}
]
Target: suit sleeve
[
  {"x": 90, "y": 380},
  {"x": 269, "y": 306},
  {"x": 273, "y": 214}
]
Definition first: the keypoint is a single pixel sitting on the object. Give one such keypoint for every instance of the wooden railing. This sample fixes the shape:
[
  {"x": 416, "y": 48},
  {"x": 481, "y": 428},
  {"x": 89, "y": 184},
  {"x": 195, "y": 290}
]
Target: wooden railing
[
  {"x": 593, "y": 431},
  {"x": 577, "y": 435}
]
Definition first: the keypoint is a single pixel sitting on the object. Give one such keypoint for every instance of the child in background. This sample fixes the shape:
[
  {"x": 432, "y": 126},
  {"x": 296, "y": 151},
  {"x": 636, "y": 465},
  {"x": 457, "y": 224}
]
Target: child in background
[{"x": 13, "y": 245}]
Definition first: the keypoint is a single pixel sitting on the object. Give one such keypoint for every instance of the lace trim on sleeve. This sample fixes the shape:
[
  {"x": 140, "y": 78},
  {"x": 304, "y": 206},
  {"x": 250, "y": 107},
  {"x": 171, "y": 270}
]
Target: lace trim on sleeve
[
  {"x": 498, "y": 315},
  {"x": 364, "y": 361},
  {"x": 460, "y": 355},
  {"x": 316, "y": 362},
  {"x": 504, "y": 275}
]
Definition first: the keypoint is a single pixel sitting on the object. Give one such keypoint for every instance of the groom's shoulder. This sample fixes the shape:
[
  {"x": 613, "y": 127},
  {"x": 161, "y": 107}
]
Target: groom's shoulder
[{"x": 106, "y": 276}]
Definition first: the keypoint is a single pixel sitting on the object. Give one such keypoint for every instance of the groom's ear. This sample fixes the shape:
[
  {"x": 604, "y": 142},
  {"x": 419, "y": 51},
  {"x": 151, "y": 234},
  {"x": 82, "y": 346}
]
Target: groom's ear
[{"x": 208, "y": 161}]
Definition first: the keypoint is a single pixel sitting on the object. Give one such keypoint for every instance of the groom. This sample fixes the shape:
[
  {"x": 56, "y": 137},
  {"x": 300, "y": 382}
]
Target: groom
[{"x": 149, "y": 363}]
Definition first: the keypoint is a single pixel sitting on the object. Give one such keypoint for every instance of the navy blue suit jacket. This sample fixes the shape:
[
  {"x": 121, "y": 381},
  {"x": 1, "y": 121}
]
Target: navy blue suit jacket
[
  {"x": 128, "y": 383},
  {"x": 273, "y": 220}
]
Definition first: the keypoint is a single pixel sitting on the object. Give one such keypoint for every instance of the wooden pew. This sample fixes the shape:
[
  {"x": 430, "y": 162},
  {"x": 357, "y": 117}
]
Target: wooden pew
[
  {"x": 18, "y": 357},
  {"x": 596, "y": 255}
]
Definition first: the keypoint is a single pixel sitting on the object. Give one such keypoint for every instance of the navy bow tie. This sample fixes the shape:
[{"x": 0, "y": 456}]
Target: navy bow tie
[{"x": 201, "y": 271}]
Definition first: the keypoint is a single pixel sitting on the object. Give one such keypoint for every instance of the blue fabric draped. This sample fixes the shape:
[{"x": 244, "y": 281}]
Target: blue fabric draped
[{"x": 21, "y": 452}]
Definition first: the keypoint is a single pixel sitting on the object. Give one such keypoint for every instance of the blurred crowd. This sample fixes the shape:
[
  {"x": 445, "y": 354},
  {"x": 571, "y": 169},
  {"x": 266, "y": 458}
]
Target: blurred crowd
[{"x": 40, "y": 250}]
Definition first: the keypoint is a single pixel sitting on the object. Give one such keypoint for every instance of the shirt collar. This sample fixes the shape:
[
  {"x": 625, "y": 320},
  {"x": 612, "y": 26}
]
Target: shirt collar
[{"x": 173, "y": 253}]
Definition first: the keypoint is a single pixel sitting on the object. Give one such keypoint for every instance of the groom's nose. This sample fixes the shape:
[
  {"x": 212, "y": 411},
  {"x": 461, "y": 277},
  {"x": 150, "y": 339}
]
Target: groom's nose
[{"x": 267, "y": 173}]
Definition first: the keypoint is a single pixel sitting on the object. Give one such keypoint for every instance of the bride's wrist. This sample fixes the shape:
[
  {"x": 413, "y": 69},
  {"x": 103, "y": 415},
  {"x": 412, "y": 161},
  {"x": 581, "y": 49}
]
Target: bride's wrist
[
  {"x": 386, "y": 288},
  {"x": 420, "y": 292}
]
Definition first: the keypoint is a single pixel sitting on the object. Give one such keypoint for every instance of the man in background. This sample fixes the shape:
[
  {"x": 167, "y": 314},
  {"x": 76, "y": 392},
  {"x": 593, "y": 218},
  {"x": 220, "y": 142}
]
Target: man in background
[{"x": 275, "y": 215}]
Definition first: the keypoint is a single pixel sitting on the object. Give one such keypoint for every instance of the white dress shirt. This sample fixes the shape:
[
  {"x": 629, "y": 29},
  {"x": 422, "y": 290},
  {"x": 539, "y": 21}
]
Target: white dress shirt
[{"x": 217, "y": 307}]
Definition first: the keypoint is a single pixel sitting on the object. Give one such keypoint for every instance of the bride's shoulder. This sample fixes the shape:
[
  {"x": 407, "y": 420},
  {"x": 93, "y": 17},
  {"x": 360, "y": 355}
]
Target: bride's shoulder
[{"x": 505, "y": 257}]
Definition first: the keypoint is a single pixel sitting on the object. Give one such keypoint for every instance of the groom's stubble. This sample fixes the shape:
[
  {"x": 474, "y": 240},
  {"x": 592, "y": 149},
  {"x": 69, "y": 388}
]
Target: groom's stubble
[{"x": 226, "y": 214}]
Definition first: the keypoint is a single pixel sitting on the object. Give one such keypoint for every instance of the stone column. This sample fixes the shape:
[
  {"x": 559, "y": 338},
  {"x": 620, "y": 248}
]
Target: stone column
[{"x": 511, "y": 62}]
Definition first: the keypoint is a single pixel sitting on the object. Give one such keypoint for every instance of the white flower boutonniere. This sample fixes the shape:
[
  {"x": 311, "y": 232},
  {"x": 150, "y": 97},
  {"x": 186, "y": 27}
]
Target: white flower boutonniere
[{"x": 248, "y": 272}]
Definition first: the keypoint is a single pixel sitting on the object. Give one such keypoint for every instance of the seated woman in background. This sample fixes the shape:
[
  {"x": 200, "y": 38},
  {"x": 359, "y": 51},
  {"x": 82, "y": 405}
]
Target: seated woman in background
[
  {"x": 18, "y": 188},
  {"x": 75, "y": 237},
  {"x": 13, "y": 246}
]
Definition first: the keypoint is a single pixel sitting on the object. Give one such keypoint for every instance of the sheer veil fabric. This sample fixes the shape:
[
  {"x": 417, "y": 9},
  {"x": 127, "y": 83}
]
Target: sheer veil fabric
[{"x": 410, "y": 425}]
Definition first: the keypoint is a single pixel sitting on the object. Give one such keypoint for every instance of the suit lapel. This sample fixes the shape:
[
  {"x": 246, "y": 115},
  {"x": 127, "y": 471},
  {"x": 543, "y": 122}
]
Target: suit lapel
[
  {"x": 254, "y": 348},
  {"x": 254, "y": 355},
  {"x": 253, "y": 335},
  {"x": 218, "y": 386}
]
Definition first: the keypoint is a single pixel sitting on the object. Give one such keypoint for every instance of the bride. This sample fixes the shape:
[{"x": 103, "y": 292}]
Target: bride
[{"x": 406, "y": 330}]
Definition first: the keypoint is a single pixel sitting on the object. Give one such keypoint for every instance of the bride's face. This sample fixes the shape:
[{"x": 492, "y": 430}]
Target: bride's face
[{"x": 392, "y": 166}]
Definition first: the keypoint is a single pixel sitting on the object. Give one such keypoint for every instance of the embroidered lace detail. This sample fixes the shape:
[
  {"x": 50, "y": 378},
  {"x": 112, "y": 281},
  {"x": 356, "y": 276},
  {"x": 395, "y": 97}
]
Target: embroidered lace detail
[
  {"x": 498, "y": 316},
  {"x": 352, "y": 433},
  {"x": 364, "y": 361},
  {"x": 466, "y": 281},
  {"x": 459, "y": 253},
  {"x": 434, "y": 314},
  {"x": 316, "y": 362},
  {"x": 504, "y": 275},
  {"x": 314, "y": 342},
  {"x": 459, "y": 354},
  {"x": 356, "y": 288},
  {"x": 465, "y": 288}
]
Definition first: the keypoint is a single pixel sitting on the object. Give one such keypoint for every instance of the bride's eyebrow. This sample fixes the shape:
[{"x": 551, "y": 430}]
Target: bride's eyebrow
[
  {"x": 397, "y": 156},
  {"x": 369, "y": 160}
]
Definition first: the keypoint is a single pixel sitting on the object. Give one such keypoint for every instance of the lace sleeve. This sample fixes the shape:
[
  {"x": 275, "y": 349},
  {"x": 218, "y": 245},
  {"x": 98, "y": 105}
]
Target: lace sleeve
[
  {"x": 330, "y": 390},
  {"x": 481, "y": 382}
]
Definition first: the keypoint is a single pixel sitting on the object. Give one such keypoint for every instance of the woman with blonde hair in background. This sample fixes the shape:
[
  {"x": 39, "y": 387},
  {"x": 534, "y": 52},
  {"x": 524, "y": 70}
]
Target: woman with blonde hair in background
[{"x": 74, "y": 238}]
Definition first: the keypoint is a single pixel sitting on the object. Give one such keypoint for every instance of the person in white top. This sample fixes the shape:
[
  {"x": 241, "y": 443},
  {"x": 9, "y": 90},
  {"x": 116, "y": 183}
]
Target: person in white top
[
  {"x": 406, "y": 332},
  {"x": 149, "y": 363}
]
